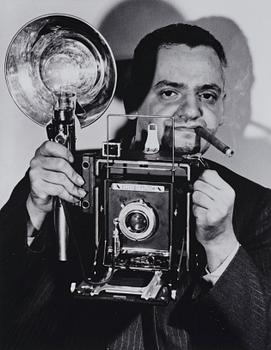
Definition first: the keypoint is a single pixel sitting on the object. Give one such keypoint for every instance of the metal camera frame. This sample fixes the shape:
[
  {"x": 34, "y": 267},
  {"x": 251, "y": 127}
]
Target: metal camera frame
[{"x": 158, "y": 188}]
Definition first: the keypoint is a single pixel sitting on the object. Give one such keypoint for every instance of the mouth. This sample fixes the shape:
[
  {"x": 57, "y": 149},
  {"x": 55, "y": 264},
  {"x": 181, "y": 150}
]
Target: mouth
[
  {"x": 188, "y": 125},
  {"x": 185, "y": 129}
]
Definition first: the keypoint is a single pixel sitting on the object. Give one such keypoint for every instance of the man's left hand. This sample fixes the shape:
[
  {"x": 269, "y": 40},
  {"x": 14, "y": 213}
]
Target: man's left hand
[{"x": 213, "y": 202}]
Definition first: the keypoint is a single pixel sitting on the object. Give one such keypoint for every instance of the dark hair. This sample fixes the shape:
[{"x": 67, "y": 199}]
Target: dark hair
[{"x": 145, "y": 56}]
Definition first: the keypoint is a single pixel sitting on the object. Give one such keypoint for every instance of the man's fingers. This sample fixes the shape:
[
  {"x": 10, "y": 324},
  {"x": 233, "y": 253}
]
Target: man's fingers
[
  {"x": 212, "y": 178},
  {"x": 55, "y": 178},
  {"x": 61, "y": 179},
  {"x": 52, "y": 190},
  {"x": 202, "y": 200},
  {"x": 214, "y": 186},
  {"x": 56, "y": 165},
  {"x": 199, "y": 212},
  {"x": 54, "y": 149},
  {"x": 204, "y": 187}
]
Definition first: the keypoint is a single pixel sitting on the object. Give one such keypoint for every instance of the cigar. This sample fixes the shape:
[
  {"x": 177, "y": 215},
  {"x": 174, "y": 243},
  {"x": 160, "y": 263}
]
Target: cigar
[{"x": 205, "y": 134}]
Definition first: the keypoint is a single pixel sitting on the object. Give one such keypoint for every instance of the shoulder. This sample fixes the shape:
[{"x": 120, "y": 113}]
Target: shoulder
[
  {"x": 19, "y": 194},
  {"x": 252, "y": 207},
  {"x": 239, "y": 183}
]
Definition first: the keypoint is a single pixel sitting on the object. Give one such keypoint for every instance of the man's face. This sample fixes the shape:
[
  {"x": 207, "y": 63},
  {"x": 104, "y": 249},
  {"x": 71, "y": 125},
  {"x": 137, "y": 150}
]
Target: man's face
[{"x": 188, "y": 85}]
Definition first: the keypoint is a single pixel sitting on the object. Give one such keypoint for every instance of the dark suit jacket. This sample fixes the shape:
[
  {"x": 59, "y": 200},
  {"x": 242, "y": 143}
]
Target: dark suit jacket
[{"x": 37, "y": 311}]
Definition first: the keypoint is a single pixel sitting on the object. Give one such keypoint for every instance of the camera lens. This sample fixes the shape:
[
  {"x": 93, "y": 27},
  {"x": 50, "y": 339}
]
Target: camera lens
[{"x": 137, "y": 222}]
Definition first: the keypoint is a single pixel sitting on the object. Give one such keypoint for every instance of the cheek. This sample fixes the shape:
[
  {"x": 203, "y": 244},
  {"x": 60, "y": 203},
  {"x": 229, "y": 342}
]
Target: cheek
[
  {"x": 212, "y": 118},
  {"x": 153, "y": 106}
]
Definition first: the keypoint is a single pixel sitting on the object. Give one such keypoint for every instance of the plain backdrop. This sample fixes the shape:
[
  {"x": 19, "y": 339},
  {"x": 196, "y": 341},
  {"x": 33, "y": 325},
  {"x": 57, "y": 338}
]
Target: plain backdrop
[{"x": 243, "y": 26}]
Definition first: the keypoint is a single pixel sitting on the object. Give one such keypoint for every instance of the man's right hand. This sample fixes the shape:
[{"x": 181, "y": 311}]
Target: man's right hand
[{"x": 51, "y": 174}]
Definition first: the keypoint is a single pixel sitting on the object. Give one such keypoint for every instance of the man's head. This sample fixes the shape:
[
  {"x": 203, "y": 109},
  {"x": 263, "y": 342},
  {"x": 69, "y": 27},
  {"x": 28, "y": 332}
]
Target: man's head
[{"x": 178, "y": 71}]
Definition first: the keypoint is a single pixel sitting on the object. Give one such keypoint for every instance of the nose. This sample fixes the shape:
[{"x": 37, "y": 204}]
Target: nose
[{"x": 189, "y": 109}]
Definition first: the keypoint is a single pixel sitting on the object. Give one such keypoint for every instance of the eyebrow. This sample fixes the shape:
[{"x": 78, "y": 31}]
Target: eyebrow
[
  {"x": 169, "y": 83},
  {"x": 211, "y": 87},
  {"x": 174, "y": 84}
]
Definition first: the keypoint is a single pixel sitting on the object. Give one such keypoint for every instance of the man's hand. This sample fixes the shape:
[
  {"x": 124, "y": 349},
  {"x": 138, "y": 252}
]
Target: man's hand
[
  {"x": 51, "y": 174},
  {"x": 213, "y": 201}
]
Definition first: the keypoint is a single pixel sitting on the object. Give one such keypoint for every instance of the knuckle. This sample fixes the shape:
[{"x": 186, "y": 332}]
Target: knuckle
[
  {"x": 199, "y": 185},
  {"x": 209, "y": 173},
  {"x": 70, "y": 172},
  {"x": 43, "y": 195},
  {"x": 38, "y": 190},
  {"x": 33, "y": 162},
  {"x": 195, "y": 196},
  {"x": 62, "y": 179},
  {"x": 74, "y": 176},
  {"x": 33, "y": 175},
  {"x": 196, "y": 184},
  {"x": 61, "y": 164},
  {"x": 47, "y": 144},
  {"x": 45, "y": 147},
  {"x": 68, "y": 154},
  {"x": 71, "y": 188},
  {"x": 62, "y": 194},
  {"x": 195, "y": 209},
  {"x": 60, "y": 191},
  {"x": 74, "y": 189},
  {"x": 73, "y": 199},
  {"x": 69, "y": 198}
]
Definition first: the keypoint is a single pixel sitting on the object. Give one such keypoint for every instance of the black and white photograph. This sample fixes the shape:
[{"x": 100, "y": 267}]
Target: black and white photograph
[{"x": 135, "y": 192}]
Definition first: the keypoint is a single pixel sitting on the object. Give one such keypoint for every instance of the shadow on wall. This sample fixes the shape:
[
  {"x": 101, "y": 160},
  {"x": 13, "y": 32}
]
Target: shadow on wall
[
  {"x": 126, "y": 24},
  {"x": 251, "y": 141},
  {"x": 130, "y": 20}
]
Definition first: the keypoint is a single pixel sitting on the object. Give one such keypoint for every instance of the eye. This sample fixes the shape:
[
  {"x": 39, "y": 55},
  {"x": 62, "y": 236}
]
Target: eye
[
  {"x": 168, "y": 94},
  {"x": 209, "y": 97}
]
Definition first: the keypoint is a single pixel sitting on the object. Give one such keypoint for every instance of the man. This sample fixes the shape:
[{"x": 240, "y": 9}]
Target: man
[{"x": 178, "y": 71}]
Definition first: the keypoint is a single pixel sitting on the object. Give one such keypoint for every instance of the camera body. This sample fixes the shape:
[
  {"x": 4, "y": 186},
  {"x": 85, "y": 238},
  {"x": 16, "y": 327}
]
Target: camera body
[{"x": 140, "y": 205}]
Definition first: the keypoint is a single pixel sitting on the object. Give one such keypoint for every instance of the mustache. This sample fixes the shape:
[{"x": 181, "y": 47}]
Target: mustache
[{"x": 190, "y": 124}]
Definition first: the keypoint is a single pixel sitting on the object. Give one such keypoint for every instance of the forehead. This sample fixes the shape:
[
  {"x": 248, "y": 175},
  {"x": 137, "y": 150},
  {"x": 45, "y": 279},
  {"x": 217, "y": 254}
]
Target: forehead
[{"x": 180, "y": 63}]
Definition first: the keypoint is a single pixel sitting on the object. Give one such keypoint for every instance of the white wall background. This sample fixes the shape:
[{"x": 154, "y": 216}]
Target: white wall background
[{"x": 19, "y": 136}]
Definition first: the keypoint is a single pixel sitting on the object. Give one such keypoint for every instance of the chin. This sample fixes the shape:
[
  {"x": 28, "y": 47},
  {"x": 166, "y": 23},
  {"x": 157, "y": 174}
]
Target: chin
[{"x": 186, "y": 150}]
